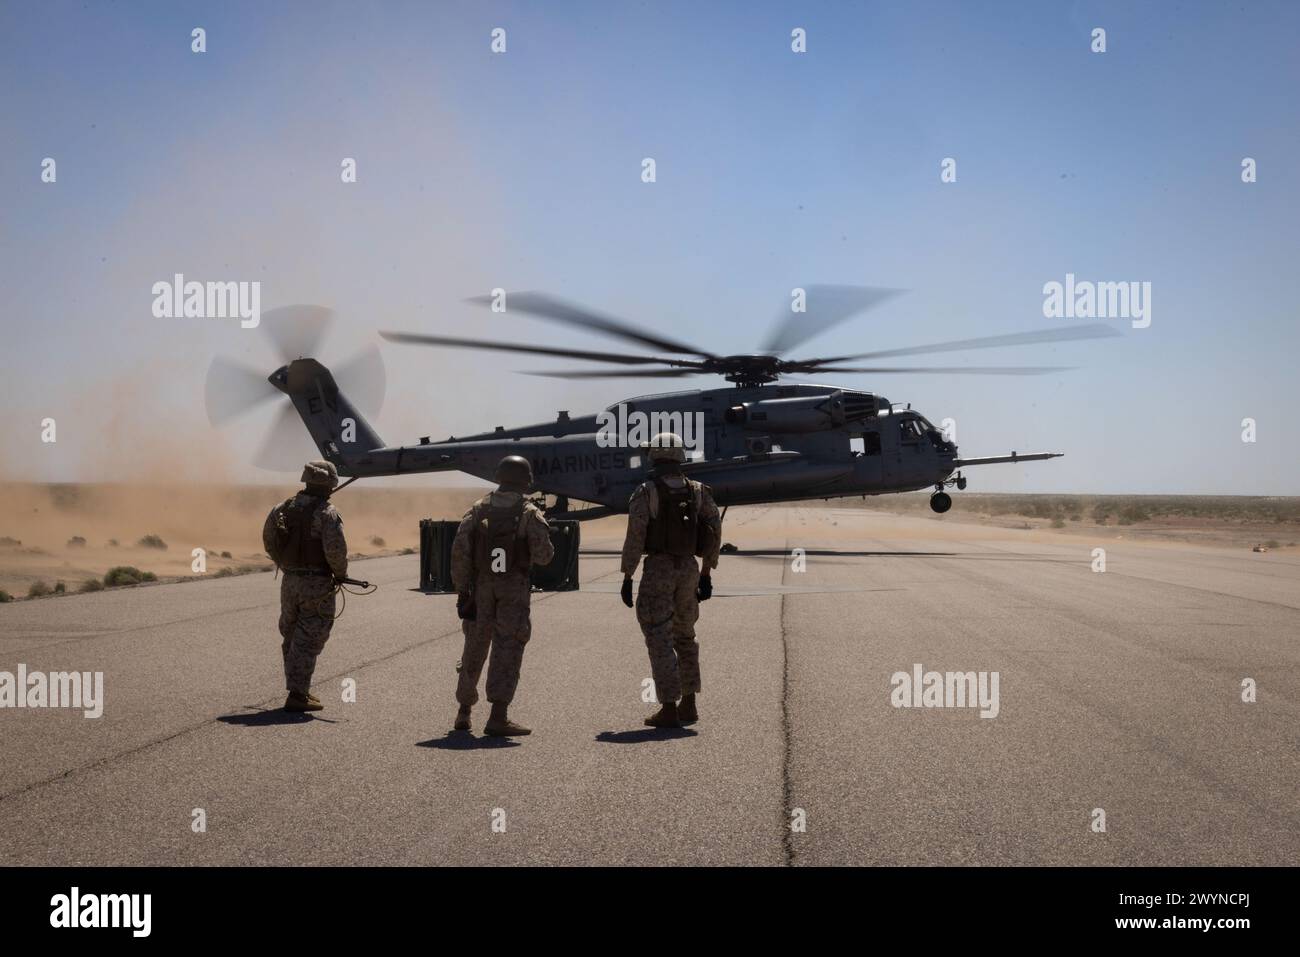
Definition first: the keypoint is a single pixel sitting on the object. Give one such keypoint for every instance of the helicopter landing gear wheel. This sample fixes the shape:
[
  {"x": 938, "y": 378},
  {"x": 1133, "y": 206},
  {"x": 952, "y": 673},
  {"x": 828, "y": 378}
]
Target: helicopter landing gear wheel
[{"x": 940, "y": 502}]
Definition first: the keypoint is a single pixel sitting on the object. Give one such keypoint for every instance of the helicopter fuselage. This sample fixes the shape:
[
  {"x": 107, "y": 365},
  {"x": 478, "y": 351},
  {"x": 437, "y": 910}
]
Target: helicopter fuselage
[
  {"x": 763, "y": 443},
  {"x": 754, "y": 443}
]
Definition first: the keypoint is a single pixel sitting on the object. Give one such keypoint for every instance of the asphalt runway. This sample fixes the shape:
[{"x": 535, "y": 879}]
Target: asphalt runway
[{"x": 1119, "y": 691}]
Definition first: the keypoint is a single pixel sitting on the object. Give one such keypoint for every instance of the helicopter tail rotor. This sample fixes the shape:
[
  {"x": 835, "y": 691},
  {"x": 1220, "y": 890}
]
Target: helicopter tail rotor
[
  {"x": 339, "y": 430},
  {"x": 234, "y": 389}
]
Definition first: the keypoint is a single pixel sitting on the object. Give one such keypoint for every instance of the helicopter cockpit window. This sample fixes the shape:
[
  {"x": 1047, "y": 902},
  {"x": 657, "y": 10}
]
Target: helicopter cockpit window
[{"x": 910, "y": 431}]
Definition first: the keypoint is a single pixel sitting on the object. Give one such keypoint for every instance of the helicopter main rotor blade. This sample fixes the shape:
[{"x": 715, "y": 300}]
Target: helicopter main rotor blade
[
  {"x": 297, "y": 330},
  {"x": 943, "y": 370},
  {"x": 617, "y": 373},
  {"x": 1094, "y": 330},
  {"x": 542, "y": 306},
  {"x": 286, "y": 445},
  {"x": 825, "y": 306},
  {"x": 232, "y": 388},
  {"x": 622, "y": 358}
]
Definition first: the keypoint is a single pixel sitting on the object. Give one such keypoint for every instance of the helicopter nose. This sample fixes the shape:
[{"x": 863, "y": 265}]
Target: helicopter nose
[{"x": 945, "y": 446}]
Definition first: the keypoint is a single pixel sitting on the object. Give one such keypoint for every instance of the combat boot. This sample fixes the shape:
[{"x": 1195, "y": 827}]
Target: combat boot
[
  {"x": 686, "y": 712},
  {"x": 500, "y": 726},
  {"x": 665, "y": 717},
  {"x": 462, "y": 719},
  {"x": 301, "y": 702}
]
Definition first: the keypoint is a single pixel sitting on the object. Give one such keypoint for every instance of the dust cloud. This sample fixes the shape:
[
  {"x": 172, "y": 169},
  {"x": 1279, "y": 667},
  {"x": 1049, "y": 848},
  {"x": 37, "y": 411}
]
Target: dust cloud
[{"x": 39, "y": 525}]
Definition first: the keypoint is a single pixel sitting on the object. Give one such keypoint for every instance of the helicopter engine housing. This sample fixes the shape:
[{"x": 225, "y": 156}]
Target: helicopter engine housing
[{"x": 816, "y": 413}]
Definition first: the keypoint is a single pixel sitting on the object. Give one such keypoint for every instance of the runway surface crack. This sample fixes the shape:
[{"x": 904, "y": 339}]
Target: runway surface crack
[{"x": 787, "y": 787}]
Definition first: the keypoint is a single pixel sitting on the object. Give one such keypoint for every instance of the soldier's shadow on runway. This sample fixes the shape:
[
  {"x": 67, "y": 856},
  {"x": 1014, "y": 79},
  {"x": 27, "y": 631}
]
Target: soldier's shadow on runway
[
  {"x": 784, "y": 553},
  {"x": 270, "y": 718},
  {"x": 644, "y": 735},
  {"x": 466, "y": 741}
]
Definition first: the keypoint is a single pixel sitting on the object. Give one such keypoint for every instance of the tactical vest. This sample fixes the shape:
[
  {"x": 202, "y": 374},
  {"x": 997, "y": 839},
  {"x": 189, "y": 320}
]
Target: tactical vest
[
  {"x": 497, "y": 527},
  {"x": 300, "y": 549},
  {"x": 674, "y": 529}
]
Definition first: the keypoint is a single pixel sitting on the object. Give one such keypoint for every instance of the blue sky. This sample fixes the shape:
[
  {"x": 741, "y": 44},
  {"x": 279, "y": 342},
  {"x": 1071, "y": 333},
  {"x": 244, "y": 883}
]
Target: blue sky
[{"x": 775, "y": 170}]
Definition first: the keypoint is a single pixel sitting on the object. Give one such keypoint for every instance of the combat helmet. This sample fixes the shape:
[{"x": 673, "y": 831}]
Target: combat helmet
[
  {"x": 514, "y": 471},
  {"x": 320, "y": 476},
  {"x": 666, "y": 447}
]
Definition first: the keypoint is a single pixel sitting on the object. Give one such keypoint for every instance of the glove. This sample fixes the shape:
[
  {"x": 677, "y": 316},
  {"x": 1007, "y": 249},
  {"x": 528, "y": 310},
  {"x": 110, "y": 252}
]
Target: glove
[
  {"x": 627, "y": 592},
  {"x": 705, "y": 590},
  {"x": 466, "y": 607}
]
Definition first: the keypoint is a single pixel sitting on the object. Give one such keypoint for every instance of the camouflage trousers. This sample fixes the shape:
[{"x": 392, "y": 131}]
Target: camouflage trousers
[
  {"x": 306, "y": 617},
  {"x": 502, "y": 626},
  {"x": 667, "y": 609}
]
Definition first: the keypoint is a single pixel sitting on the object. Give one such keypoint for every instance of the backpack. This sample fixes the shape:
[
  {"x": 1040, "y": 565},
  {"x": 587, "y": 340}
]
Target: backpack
[
  {"x": 673, "y": 529},
  {"x": 500, "y": 538},
  {"x": 292, "y": 544}
]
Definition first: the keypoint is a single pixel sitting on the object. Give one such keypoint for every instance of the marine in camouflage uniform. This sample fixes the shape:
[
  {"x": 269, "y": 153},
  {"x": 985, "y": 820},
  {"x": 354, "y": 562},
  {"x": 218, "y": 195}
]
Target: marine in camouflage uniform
[
  {"x": 500, "y": 538},
  {"x": 304, "y": 536},
  {"x": 672, "y": 583}
]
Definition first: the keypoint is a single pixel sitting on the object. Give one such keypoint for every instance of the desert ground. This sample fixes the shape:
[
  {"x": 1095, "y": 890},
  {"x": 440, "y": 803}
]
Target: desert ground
[
  {"x": 72, "y": 534},
  {"x": 76, "y": 533}
]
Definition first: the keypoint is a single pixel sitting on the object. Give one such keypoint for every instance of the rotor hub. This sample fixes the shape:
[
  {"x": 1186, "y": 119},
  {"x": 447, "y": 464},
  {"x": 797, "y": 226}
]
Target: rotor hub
[{"x": 746, "y": 370}]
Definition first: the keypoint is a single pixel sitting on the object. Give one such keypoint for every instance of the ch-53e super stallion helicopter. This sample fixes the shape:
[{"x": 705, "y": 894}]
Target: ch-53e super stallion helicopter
[{"x": 761, "y": 440}]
